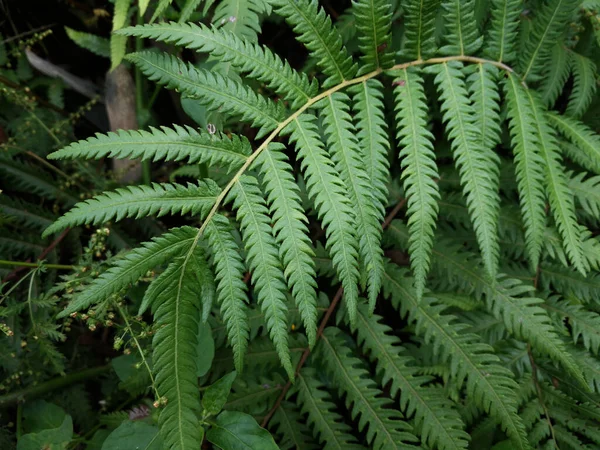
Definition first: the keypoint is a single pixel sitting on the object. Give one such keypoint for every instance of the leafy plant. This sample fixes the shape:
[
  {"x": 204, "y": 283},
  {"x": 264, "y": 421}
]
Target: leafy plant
[{"x": 489, "y": 340}]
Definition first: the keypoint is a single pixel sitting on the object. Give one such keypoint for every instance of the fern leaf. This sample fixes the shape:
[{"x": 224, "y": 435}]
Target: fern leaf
[
  {"x": 488, "y": 383},
  {"x": 419, "y": 25},
  {"x": 384, "y": 427},
  {"x": 483, "y": 83},
  {"x": 373, "y": 22},
  {"x": 330, "y": 428},
  {"x": 546, "y": 28},
  {"x": 373, "y": 139},
  {"x": 257, "y": 61},
  {"x": 118, "y": 44},
  {"x": 584, "y": 324},
  {"x": 478, "y": 166},
  {"x": 587, "y": 192},
  {"x": 419, "y": 171},
  {"x": 345, "y": 152},
  {"x": 503, "y": 29},
  {"x": 291, "y": 234},
  {"x": 555, "y": 75},
  {"x": 95, "y": 44},
  {"x": 26, "y": 214},
  {"x": 177, "y": 144},
  {"x": 529, "y": 166},
  {"x": 584, "y": 84},
  {"x": 176, "y": 315},
  {"x": 189, "y": 8},
  {"x": 569, "y": 282},
  {"x": 289, "y": 423},
  {"x": 334, "y": 209},
  {"x": 461, "y": 34},
  {"x": 561, "y": 200},
  {"x": 586, "y": 140},
  {"x": 231, "y": 289},
  {"x": 262, "y": 257},
  {"x": 440, "y": 424},
  {"x": 211, "y": 89},
  {"x": 132, "y": 266},
  {"x": 241, "y": 17},
  {"x": 141, "y": 201},
  {"x": 315, "y": 31}
]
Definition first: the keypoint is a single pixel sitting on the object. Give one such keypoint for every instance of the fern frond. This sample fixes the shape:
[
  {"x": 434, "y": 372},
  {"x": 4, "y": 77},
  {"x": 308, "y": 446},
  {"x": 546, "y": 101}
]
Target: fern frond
[
  {"x": 561, "y": 200},
  {"x": 330, "y": 428},
  {"x": 461, "y": 34},
  {"x": 372, "y": 133},
  {"x": 502, "y": 34},
  {"x": 570, "y": 282},
  {"x": 584, "y": 84},
  {"x": 529, "y": 166},
  {"x": 440, "y": 424},
  {"x": 132, "y": 266},
  {"x": 291, "y": 233},
  {"x": 482, "y": 85},
  {"x": 262, "y": 257},
  {"x": 161, "y": 7},
  {"x": 95, "y": 44},
  {"x": 141, "y": 201},
  {"x": 555, "y": 75},
  {"x": 315, "y": 31},
  {"x": 289, "y": 423},
  {"x": 547, "y": 26},
  {"x": 419, "y": 33},
  {"x": 488, "y": 383},
  {"x": 419, "y": 171},
  {"x": 256, "y": 61},
  {"x": 478, "y": 166},
  {"x": 254, "y": 395},
  {"x": 384, "y": 427},
  {"x": 586, "y": 140},
  {"x": 176, "y": 316},
  {"x": 189, "y": 8},
  {"x": 211, "y": 89},
  {"x": 373, "y": 19},
  {"x": 118, "y": 44},
  {"x": 26, "y": 214},
  {"x": 584, "y": 324},
  {"x": 164, "y": 144},
  {"x": 241, "y": 17},
  {"x": 587, "y": 192},
  {"x": 231, "y": 289},
  {"x": 345, "y": 152},
  {"x": 332, "y": 204}
]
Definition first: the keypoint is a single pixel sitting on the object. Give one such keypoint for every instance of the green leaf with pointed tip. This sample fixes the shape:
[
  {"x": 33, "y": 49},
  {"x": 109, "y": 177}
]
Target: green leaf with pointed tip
[
  {"x": 238, "y": 431},
  {"x": 215, "y": 396}
]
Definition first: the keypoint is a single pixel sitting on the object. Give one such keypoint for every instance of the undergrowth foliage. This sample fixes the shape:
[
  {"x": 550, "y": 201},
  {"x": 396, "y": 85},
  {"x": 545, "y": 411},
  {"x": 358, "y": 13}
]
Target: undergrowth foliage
[{"x": 484, "y": 129}]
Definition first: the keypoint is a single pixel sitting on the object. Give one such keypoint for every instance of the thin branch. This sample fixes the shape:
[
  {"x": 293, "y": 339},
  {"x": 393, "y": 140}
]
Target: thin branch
[{"x": 328, "y": 313}]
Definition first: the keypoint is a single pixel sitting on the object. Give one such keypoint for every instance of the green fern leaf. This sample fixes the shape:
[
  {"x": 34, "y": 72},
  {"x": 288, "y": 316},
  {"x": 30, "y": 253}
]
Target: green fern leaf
[
  {"x": 419, "y": 25},
  {"x": 346, "y": 153},
  {"x": 584, "y": 324},
  {"x": 95, "y": 44},
  {"x": 478, "y": 166},
  {"x": 334, "y": 209},
  {"x": 561, "y": 200},
  {"x": 26, "y": 214},
  {"x": 384, "y": 427},
  {"x": 503, "y": 29},
  {"x": 419, "y": 171},
  {"x": 241, "y": 17},
  {"x": 461, "y": 34},
  {"x": 555, "y": 75},
  {"x": 440, "y": 424},
  {"x": 584, "y": 84},
  {"x": 586, "y": 140},
  {"x": 257, "y": 61},
  {"x": 176, "y": 315},
  {"x": 141, "y": 201},
  {"x": 132, "y": 266},
  {"x": 483, "y": 83},
  {"x": 118, "y": 44},
  {"x": 373, "y": 139},
  {"x": 160, "y": 8},
  {"x": 211, "y": 89},
  {"x": 587, "y": 192},
  {"x": 315, "y": 31},
  {"x": 487, "y": 382},
  {"x": 262, "y": 257},
  {"x": 288, "y": 422},
  {"x": 330, "y": 428},
  {"x": 190, "y": 7},
  {"x": 569, "y": 282},
  {"x": 373, "y": 22},
  {"x": 177, "y": 144},
  {"x": 231, "y": 289},
  {"x": 547, "y": 26},
  {"x": 529, "y": 166},
  {"x": 291, "y": 234}
]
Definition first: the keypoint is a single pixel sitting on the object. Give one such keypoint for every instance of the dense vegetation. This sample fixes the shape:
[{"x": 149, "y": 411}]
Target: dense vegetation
[{"x": 388, "y": 241}]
